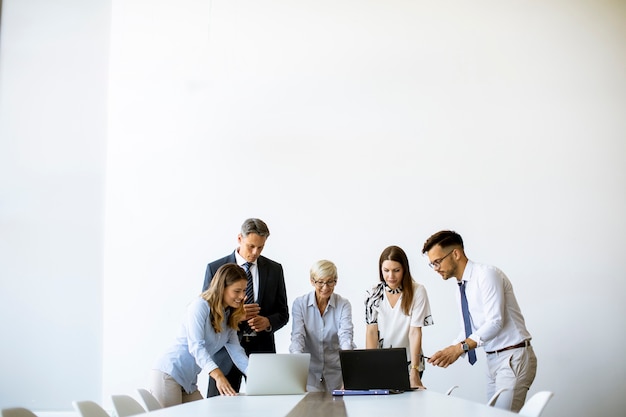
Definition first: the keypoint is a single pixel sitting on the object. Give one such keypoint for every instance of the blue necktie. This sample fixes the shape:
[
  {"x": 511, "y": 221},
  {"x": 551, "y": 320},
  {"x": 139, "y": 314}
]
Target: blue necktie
[
  {"x": 249, "y": 287},
  {"x": 471, "y": 355}
]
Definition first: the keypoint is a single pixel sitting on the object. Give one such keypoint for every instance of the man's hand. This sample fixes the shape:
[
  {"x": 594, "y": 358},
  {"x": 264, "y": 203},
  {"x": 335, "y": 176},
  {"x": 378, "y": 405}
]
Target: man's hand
[
  {"x": 252, "y": 310},
  {"x": 259, "y": 323},
  {"x": 447, "y": 356}
]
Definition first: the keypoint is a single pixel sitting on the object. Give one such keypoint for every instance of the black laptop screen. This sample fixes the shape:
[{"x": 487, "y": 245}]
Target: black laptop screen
[{"x": 375, "y": 369}]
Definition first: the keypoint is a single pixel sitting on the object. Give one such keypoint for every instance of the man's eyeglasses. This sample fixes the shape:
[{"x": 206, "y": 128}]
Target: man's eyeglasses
[
  {"x": 437, "y": 262},
  {"x": 330, "y": 284}
]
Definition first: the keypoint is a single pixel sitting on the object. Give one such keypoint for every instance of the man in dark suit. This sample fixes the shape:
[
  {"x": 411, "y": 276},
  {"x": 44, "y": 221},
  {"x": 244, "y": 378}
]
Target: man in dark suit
[{"x": 266, "y": 310}]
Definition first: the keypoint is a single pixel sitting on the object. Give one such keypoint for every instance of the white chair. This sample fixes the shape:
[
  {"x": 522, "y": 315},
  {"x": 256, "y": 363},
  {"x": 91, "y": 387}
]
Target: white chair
[
  {"x": 493, "y": 401},
  {"x": 534, "y": 405},
  {"x": 89, "y": 409},
  {"x": 125, "y": 406},
  {"x": 452, "y": 388},
  {"x": 149, "y": 401},
  {"x": 17, "y": 412}
]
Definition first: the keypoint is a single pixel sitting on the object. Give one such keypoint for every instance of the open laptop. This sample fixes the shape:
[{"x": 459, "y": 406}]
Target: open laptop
[
  {"x": 277, "y": 373},
  {"x": 372, "y": 369}
]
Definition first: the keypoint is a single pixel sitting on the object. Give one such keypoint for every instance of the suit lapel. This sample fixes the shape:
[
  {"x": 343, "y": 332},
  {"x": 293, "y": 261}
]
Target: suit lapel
[{"x": 262, "y": 266}]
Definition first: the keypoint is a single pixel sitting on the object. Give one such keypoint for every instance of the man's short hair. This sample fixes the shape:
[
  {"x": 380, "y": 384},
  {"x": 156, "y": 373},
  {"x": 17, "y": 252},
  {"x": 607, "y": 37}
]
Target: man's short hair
[
  {"x": 256, "y": 226},
  {"x": 444, "y": 238}
]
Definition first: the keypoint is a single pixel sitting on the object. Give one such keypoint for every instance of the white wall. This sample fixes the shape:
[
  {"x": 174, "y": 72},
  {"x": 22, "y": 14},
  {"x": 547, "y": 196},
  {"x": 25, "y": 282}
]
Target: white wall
[
  {"x": 53, "y": 66},
  {"x": 352, "y": 125}
]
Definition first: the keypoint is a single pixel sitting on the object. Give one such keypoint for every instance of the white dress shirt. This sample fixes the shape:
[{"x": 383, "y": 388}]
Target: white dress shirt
[
  {"x": 254, "y": 270},
  {"x": 496, "y": 318}
]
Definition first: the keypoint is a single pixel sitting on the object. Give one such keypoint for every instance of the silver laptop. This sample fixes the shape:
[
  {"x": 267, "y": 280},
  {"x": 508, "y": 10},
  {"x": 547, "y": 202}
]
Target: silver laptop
[{"x": 277, "y": 373}]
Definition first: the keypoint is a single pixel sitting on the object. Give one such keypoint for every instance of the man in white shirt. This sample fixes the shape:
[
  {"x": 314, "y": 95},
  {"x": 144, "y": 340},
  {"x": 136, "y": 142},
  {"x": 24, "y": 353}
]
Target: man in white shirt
[{"x": 495, "y": 320}]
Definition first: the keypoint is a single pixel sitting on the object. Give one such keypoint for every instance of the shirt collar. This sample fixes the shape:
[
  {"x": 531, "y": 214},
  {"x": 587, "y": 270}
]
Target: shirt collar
[
  {"x": 467, "y": 273},
  {"x": 240, "y": 259},
  {"x": 311, "y": 300}
]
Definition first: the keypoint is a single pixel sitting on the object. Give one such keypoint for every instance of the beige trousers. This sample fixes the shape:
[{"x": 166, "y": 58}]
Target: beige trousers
[
  {"x": 168, "y": 391},
  {"x": 513, "y": 369}
]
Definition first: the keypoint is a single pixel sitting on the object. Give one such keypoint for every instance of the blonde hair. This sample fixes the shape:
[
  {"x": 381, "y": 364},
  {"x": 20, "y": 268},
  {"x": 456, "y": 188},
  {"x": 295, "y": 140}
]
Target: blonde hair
[
  {"x": 323, "y": 269},
  {"x": 226, "y": 275}
]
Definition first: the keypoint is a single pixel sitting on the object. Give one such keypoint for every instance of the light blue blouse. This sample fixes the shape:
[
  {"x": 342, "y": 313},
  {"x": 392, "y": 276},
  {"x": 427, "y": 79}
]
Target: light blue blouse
[
  {"x": 322, "y": 336},
  {"x": 195, "y": 345}
]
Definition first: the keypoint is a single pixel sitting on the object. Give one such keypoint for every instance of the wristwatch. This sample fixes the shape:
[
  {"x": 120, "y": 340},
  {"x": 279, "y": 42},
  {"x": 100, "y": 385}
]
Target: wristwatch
[{"x": 465, "y": 347}]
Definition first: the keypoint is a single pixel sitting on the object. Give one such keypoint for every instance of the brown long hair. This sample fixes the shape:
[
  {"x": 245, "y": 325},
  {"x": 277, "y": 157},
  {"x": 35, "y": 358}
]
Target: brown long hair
[
  {"x": 396, "y": 254},
  {"x": 226, "y": 275}
]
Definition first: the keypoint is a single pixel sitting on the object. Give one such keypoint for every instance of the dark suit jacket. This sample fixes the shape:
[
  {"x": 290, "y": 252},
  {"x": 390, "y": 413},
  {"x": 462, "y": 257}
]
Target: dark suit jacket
[{"x": 272, "y": 299}]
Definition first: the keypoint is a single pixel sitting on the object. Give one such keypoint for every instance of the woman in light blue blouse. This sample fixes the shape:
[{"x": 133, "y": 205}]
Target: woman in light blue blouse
[
  {"x": 321, "y": 326},
  {"x": 211, "y": 323}
]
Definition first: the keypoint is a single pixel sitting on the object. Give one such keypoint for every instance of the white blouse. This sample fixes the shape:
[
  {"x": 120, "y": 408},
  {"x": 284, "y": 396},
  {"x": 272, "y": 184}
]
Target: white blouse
[{"x": 393, "y": 324}]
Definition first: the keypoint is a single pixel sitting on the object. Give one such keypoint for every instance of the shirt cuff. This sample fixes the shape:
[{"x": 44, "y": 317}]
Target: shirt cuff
[{"x": 476, "y": 338}]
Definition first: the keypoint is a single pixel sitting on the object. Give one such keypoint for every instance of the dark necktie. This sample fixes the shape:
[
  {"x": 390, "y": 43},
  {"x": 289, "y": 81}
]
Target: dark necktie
[
  {"x": 249, "y": 287},
  {"x": 471, "y": 355}
]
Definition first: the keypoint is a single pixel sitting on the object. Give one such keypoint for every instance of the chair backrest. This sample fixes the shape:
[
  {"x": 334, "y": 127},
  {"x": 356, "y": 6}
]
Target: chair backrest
[
  {"x": 505, "y": 400},
  {"x": 149, "y": 401},
  {"x": 126, "y": 406},
  {"x": 89, "y": 409},
  {"x": 452, "y": 388},
  {"x": 17, "y": 412},
  {"x": 535, "y": 404}
]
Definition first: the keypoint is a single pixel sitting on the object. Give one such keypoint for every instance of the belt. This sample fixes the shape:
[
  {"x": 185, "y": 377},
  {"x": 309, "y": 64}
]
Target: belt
[{"x": 519, "y": 345}]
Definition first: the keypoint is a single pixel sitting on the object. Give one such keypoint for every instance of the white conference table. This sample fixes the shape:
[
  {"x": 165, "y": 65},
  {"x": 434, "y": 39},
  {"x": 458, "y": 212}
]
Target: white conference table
[{"x": 423, "y": 403}]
